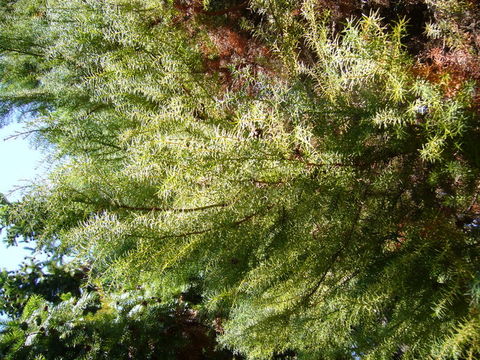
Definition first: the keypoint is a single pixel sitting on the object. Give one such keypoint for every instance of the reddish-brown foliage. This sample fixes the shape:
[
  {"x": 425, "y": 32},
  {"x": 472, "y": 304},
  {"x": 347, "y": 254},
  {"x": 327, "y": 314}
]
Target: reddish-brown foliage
[
  {"x": 227, "y": 46},
  {"x": 450, "y": 69}
]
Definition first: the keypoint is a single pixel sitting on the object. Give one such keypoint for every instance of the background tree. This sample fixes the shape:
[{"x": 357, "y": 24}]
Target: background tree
[{"x": 127, "y": 325}]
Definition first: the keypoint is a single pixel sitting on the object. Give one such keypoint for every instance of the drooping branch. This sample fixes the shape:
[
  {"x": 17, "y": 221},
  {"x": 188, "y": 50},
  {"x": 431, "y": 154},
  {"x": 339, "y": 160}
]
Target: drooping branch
[
  {"x": 235, "y": 223},
  {"x": 23, "y": 52},
  {"x": 175, "y": 210},
  {"x": 333, "y": 259}
]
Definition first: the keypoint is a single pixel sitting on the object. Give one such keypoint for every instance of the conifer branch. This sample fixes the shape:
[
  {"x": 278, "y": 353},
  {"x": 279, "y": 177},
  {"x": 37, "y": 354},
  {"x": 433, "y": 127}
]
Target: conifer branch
[
  {"x": 334, "y": 257},
  {"x": 235, "y": 223},
  {"x": 174, "y": 210},
  {"x": 18, "y": 51}
]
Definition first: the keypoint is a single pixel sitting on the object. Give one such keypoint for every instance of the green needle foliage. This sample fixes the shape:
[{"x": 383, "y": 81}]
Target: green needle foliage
[{"x": 320, "y": 196}]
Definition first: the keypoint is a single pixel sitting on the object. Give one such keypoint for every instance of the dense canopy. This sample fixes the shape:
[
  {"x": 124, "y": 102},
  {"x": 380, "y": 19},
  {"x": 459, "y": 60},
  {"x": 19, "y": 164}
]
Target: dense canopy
[{"x": 296, "y": 179}]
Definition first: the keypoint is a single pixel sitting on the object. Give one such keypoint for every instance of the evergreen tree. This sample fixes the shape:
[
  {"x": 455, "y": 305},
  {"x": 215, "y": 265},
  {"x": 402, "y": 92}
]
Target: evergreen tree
[{"x": 316, "y": 188}]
